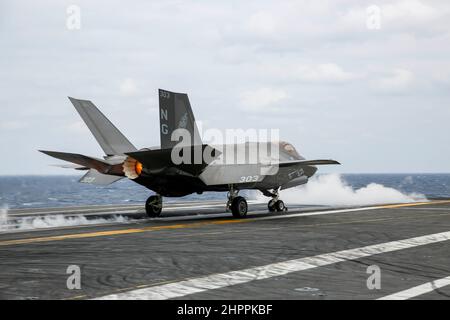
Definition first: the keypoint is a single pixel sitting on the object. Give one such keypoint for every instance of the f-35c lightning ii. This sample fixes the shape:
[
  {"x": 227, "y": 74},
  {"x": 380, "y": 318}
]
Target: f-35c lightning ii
[{"x": 179, "y": 168}]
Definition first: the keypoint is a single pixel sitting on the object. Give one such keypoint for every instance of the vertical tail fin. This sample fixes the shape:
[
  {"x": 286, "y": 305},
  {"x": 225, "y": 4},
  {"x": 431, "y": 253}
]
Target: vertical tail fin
[
  {"x": 112, "y": 141},
  {"x": 175, "y": 112}
]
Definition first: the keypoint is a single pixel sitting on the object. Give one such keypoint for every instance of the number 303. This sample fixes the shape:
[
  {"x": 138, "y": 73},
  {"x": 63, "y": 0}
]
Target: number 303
[{"x": 249, "y": 179}]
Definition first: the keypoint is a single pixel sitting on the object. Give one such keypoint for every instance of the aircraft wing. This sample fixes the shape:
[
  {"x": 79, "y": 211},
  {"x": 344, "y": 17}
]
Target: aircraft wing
[{"x": 307, "y": 162}]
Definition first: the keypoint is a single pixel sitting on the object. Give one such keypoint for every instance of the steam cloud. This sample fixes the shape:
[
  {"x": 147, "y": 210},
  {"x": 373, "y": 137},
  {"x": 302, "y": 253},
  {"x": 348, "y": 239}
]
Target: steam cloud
[
  {"x": 53, "y": 221},
  {"x": 332, "y": 190},
  {"x": 3, "y": 216}
]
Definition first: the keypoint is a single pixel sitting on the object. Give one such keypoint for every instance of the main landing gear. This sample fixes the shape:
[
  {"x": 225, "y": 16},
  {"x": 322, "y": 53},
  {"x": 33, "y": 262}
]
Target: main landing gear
[
  {"x": 237, "y": 204},
  {"x": 153, "y": 206},
  {"x": 275, "y": 204}
]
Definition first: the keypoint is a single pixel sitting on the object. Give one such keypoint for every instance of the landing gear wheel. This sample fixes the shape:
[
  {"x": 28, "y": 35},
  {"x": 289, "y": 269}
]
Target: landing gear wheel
[
  {"x": 274, "y": 204},
  {"x": 271, "y": 205},
  {"x": 239, "y": 207},
  {"x": 279, "y": 206},
  {"x": 153, "y": 206}
]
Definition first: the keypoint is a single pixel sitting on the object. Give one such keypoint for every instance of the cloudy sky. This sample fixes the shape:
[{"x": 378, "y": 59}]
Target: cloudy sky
[{"x": 336, "y": 85}]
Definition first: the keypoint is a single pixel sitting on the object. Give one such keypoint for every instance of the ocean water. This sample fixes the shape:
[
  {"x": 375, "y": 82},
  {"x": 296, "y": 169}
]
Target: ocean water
[{"x": 60, "y": 191}]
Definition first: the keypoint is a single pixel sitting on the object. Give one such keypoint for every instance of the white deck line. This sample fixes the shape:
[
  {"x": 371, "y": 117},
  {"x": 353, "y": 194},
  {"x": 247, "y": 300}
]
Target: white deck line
[
  {"x": 418, "y": 290},
  {"x": 222, "y": 280}
]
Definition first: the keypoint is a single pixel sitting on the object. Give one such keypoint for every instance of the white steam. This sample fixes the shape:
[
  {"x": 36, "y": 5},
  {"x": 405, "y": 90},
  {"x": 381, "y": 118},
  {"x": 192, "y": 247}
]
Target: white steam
[
  {"x": 53, "y": 221},
  {"x": 332, "y": 190},
  {"x": 3, "y": 216}
]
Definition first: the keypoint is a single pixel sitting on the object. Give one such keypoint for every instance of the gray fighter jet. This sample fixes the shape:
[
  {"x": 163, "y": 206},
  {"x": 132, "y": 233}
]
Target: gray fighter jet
[{"x": 184, "y": 165}]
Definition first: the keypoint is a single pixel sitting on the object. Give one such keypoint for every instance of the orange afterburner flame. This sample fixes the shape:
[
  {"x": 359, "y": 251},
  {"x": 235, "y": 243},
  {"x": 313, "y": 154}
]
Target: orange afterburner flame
[
  {"x": 138, "y": 167},
  {"x": 132, "y": 168}
]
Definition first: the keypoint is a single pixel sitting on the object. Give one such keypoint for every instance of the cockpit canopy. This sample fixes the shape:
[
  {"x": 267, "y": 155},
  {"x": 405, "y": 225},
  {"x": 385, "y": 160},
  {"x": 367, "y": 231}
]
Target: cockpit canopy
[{"x": 289, "y": 149}]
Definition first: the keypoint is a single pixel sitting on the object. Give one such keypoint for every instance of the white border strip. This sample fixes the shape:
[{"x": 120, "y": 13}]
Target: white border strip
[
  {"x": 419, "y": 290},
  {"x": 222, "y": 280}
]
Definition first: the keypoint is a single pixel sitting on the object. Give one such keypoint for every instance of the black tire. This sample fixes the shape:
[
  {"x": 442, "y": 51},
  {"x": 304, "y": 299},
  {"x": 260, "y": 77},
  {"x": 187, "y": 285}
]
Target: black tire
[
  {"x": 279, "y": 206},
  {"x": 153, "y": 206},
  {"x": 271, "y": 205},
  {"x": 239, "y": 207}
]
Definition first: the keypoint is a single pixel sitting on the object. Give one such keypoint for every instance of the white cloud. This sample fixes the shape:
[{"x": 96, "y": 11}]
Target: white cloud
[
  {"x": 405, "y": 15},
  {"x": 262, "y": 99},
  {"x": 308, "y": 72},
  {"x": 313, "y": 65},
  {"x": 411, "y": 10},
  {"x": 262, "y": 24},
  {"x": 13, "y": 125},
  {"x": 78, "y": 127},
  {"x": 327, "y": 72},
  {"x": 128, "y": 87},
  {"x": 397, "y": 80}
]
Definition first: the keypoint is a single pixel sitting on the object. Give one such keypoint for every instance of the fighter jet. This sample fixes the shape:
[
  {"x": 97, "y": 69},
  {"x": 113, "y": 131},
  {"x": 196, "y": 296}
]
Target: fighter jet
[{"x": 183, "y": 164}]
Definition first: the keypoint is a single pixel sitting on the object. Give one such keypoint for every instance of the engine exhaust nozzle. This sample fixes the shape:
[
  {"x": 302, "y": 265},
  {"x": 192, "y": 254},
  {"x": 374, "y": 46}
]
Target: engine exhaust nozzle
[{"x": 132, "y": 168}]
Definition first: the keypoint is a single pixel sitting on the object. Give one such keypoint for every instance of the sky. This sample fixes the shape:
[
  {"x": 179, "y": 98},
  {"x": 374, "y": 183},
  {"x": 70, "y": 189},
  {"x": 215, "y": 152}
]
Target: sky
[{"x": 363, "y": 82}]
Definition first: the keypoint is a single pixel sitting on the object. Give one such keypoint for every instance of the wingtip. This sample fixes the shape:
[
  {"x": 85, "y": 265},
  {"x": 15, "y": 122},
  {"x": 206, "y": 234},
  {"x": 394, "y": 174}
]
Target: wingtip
[
  {"x": 46, "y": 152},
  {"x": 74, "y": 100}
]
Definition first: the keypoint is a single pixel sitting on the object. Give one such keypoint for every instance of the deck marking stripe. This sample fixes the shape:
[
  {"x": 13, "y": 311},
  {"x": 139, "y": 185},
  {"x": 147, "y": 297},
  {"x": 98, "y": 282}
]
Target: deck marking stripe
[
  {"x": 243, "y": 231},
  {"x": 222, "y": 280},
  {"x": 390, "y": 206},
  {"x": 418, "y": 290},
  {"x": 135, "y": 209},
  {"x": 117, "y": 232},
  {"x": 197, "y": 224},
  {"x": 106, "y": 210}
]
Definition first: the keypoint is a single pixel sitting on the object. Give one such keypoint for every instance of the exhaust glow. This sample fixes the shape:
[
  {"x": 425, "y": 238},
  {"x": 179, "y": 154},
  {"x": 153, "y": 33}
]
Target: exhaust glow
[
  {"x": 132, "y": 168},
  {"x": 138, "y": 167}
]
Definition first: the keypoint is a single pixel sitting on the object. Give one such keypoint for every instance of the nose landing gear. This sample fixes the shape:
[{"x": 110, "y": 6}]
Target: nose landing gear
[{"x": 275, "y": 204}]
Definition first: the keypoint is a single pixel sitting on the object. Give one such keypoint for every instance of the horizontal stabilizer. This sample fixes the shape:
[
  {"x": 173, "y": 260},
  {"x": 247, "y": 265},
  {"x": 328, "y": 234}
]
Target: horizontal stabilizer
[
  {"x": 97, "y": 178},
  {"x": 161, "y": 159},
  {"x": 307, "y": 163},
  {"x": 70, "y": 166},
  {"x": 82, "y": 160}
]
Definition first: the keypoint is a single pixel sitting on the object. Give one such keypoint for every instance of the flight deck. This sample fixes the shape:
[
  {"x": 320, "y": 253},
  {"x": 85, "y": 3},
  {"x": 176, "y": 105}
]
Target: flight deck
[{"x": 196, "y": 250}]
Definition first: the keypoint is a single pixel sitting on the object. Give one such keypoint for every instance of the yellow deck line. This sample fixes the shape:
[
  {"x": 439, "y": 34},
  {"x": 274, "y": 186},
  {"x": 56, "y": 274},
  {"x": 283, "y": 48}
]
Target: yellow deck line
[
  {"x": 414, "y": 204},
  {"x": 168, "y": 227},
  {"x": 117, "y": 232}
]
